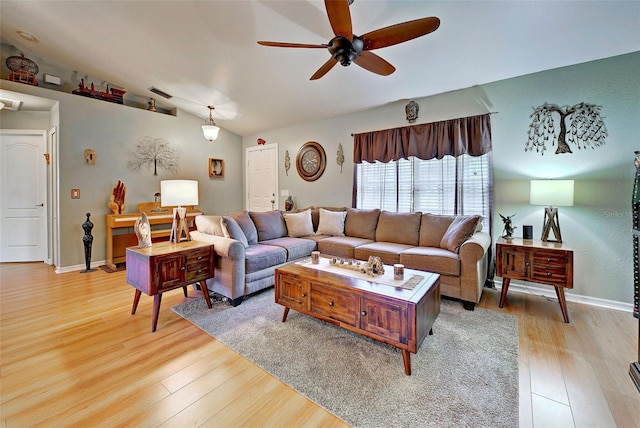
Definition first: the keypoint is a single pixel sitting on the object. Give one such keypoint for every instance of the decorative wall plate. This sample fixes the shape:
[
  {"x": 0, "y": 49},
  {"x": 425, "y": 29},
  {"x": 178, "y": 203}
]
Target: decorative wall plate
[{"x": 311, "y": 161}]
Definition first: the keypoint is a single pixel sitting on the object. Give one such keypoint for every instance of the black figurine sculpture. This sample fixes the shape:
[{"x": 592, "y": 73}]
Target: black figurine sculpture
[
  {"x": 508, "y": 226},
  {"x": 87, "y": 240}
]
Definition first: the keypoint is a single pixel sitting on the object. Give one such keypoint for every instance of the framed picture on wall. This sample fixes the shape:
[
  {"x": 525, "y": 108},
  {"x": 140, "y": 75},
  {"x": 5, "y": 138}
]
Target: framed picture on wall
[{"x": 216, "y": 168}]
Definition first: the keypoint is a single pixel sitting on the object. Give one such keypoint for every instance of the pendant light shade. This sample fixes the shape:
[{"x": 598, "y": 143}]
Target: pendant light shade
[{"x": 210, "y": 129}]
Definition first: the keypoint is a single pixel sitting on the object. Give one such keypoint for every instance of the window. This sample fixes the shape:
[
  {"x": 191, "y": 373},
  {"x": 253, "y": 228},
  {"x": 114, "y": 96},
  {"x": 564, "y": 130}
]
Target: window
[{"x": 453, "y": 186}]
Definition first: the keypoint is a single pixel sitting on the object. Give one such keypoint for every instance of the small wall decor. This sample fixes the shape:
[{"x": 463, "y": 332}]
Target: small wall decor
[
  {"x": 340, "y": 157},
  {"x": 153, "y": 152},
  {"x": 112, "y": 95},
  {"x": 261, "y": 142},
  {"x": 508, "y": 226},
  {"x": 216, "y": 168},
  {"x": 411, "y": 111},
  {"x": 116, "y": 200},
  {"x": 585, "y": 128},
  {"x": 287, "y": 162},
  {"x": 90, "y": 156}
]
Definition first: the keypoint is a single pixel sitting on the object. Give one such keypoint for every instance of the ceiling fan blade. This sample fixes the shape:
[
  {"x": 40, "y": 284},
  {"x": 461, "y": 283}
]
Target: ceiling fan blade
[
  {"x": 324, "y": 69},
  {"x": 290, "y": 45},
  {"x": 339, "y": 17},
  {"x": 399, "y": 33},
  {"x": 375, "y": 64}
]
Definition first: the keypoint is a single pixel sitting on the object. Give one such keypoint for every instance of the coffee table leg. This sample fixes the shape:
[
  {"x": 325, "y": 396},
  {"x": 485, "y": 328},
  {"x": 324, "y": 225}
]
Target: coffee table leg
[
  {"x": 285, "y": 313},
  {"x": 406, "y": 357}
]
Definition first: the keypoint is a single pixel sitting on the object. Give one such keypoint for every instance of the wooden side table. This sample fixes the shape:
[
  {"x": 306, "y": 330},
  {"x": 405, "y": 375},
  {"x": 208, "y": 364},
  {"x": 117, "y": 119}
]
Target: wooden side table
[
  {"x": 549, "y": 263},
  {"x": 166, "y": 266}
]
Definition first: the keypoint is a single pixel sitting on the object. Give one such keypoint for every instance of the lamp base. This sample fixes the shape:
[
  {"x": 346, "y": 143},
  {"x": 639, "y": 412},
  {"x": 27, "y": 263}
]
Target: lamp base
[
  {"x": 551, "y": 223},
  {"x": 179, "y": 228}
]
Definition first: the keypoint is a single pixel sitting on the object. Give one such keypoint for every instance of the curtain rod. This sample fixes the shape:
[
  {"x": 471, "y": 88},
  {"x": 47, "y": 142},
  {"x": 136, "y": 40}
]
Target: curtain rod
[{"x": 490, "y": 113}]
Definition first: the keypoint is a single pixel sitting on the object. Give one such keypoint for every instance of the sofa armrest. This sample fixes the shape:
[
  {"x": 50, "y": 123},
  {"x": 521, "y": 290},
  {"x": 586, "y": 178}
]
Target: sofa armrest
[
  {"x": 224, "y": 247},
  {"x": 475, "y": 247}
]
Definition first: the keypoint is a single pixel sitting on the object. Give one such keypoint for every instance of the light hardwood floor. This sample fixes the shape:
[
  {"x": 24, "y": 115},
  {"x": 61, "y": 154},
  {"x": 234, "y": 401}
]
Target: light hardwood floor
[{"x": 72, "y": 355}]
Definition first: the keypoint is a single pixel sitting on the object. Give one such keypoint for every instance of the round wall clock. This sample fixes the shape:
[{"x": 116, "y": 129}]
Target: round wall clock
[{"x": 311, "y": 161}]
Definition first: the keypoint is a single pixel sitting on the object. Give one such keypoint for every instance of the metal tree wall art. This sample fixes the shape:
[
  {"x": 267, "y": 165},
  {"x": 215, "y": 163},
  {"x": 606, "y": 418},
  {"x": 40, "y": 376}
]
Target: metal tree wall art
[
  {"x": 586, "y": 128},
  {"x": 153, "y": 153}
]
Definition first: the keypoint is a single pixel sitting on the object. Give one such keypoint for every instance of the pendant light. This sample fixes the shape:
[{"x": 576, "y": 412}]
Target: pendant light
[{"x": 209, "y": 128}]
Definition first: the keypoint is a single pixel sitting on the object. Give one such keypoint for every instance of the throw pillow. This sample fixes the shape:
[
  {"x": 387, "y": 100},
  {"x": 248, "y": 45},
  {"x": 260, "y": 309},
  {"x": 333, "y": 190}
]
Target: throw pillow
[
  {"x": 400, "y": 228},
  {"x": 331, "y": 222},
  {"x": 299, "y": 224},
  {"x": 433, "y": 227},
  {"x": 247, "y": 226},
  {"x": 210, "y": 224},
  {"x": 461, "y": 228},
  {"x": 234, "y": 230},
  {"x": 361, "y": 223},
  {"x": 269, "y": 224}
]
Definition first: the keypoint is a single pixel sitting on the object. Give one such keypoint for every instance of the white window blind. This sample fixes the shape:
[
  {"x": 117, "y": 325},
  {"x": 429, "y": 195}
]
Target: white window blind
[{"x": 451, "y": 186}]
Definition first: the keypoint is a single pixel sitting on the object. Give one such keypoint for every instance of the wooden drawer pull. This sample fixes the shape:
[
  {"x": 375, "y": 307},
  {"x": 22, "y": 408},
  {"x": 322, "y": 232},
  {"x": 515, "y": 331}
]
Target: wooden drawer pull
[
  {"x": 548, "y": 273},
  {"x": 199, "y": 258},
  {"x": 331, "y": 303},
  {"x": 183, "y": 268},
  {"x": 363, "y": 313},
  {"x": 548, "y": 259},
  {"x": 303, "y": 295}
]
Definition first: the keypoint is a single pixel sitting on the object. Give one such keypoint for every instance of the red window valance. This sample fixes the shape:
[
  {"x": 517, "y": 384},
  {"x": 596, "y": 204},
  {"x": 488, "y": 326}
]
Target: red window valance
[{"x": 455, "y": 137}]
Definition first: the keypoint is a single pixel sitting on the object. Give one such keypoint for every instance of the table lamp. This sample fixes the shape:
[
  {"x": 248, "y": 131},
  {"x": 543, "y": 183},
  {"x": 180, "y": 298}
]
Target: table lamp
[
  {"x": 552, "y": 193},
  {"x": 176, "y": 193}
]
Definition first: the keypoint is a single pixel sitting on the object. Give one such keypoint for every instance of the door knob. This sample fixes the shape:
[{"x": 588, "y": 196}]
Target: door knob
[{"x": 40, "y": 205}]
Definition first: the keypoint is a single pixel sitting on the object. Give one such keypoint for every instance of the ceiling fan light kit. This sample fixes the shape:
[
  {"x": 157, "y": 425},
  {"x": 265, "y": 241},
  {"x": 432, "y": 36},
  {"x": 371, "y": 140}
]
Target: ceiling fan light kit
[
  {"x": 346, "y": 47},
  {"x": 210, "y": 129}
]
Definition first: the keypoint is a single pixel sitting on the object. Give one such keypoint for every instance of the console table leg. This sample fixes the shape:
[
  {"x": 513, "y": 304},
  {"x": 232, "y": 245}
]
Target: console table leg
[
  {"x": 505, "y": 288},
  {"x": 203, "y": 287},
  {"x": 136, "y": 299},
  {"x": 285, "y": 313},
  {"x": 406, "y": 358},
  {"x": 157, "y": 298},
  {"x": 563, "y": 303}
]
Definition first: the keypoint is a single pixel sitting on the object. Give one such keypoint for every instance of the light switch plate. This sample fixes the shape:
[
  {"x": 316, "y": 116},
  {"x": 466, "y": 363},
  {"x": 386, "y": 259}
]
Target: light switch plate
[{"x": 75, "y": 193}]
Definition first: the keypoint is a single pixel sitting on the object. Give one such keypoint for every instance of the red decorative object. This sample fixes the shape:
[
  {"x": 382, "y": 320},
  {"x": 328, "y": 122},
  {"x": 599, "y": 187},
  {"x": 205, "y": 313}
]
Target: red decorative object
[
  {"x": 112, "y": 95},
  {"x": 23, "y": 70},
  {"x": 261, "y": 142}
]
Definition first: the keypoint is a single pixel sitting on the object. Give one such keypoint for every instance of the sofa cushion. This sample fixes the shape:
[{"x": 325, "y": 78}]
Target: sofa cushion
[
  {"x": 433, "y": 228},
  {"x": 341, "y": 246},
  {"x": 260, "y": 256},
  {"x": 331, "y": 223},
  {"x": 361, "y": 223},
  {"x": 247, "y": 226},
  {"x": 296, "y": 247},
  {"x": 401, "y": 228},
  {"x": 460, "y": 229},
  {"x": 431, "y": 259},
  {"x": 234, "y": 231},
  {"x": 210, "y": 224},
  {"x": 269, "y": 224},
  {"x": 388, "y": 252},
  {"x": 298, "y": 224}
]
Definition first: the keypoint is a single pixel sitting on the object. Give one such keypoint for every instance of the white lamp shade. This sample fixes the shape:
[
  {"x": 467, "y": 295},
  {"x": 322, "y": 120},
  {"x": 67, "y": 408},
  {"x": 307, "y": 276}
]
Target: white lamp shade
[
  {"x": 210, "y": 132},
  {"x": 178, "y": 192},
  {"x": 552, "y": 193}
]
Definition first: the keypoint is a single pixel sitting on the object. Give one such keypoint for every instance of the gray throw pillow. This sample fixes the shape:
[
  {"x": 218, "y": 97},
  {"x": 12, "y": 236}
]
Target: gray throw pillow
[
  {"x": 269, "y": 224},
  {"x": 247, "y": 226},
  {"x": 234, "y": 230}
]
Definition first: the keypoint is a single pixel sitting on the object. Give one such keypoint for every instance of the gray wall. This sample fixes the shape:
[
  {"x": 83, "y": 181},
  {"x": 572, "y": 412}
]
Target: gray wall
[{"x": 597, "y": 228}]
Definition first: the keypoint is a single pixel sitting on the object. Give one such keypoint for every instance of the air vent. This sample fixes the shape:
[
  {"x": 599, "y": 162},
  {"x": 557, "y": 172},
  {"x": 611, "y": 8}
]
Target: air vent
[{"x": 161, "y": 93}]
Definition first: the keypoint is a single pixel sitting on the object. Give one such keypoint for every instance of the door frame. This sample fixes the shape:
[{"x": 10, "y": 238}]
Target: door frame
[{"x": 273, "y": 146}]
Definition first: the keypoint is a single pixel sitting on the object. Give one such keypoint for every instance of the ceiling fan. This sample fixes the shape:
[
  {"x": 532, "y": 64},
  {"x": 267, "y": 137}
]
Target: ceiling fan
[{"x": 346, "y": 47}]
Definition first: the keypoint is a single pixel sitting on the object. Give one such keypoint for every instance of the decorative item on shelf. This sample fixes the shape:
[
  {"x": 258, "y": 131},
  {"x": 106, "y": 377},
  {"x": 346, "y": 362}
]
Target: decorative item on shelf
[
  {"x": 508, "y": 226},
  {"x": 311, "y": 161},
  {"x": 153, "y": 152},
  {"x": 372, "y": 267},
  {"x": 90, "y": 156},
  {"x": 111, "y": 95},
  {"x": 288, "y": 204},
  {"x": 179, "y": 193},
  {"x": 142, "y": 229},
  {"x": 152, "y": 105},
  {"x": 23, "y": 70},
  {"x": 261, "y": 142},
  {"x": 340, "y": 157},
  {"x": 287, "y": 162},
  {"x": 411, "y": 111},
  {"x": 210, "y": 129},
  {"x": 586, "y": 128},
  {"x": 216, "y": 168},
  {"x": 552, "y": 193},
  {"x": 87, "y": 241},
  {"x": 527, "y": 232},
  {"x": 116, "y": 200}
]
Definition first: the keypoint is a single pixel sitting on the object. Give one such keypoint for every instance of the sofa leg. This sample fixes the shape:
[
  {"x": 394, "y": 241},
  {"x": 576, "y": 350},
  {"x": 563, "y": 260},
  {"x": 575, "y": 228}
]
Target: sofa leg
[
  {"x": 468, "y": 305},
  {"x": 235, "y": 302}
]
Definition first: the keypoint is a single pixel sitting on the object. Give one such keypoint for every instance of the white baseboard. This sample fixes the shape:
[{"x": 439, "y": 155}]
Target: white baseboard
[
  {"x": 74, "y": 268},
  {"x": 549, "y": 292}
]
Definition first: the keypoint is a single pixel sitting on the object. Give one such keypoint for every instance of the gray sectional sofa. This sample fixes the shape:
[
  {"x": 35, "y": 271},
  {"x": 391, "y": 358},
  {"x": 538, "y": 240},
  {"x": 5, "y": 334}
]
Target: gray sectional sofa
[{"x": 249, "y": 246}]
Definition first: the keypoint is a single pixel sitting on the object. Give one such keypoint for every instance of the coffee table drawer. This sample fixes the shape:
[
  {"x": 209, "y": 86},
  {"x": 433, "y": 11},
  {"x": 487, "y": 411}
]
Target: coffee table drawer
[
  {"x": 385, "y": 319},
  {"x": 333, "y": 303}
]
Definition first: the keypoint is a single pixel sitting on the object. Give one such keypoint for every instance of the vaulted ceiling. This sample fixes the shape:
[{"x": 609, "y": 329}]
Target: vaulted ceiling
[{"x": 205, "y": 52}]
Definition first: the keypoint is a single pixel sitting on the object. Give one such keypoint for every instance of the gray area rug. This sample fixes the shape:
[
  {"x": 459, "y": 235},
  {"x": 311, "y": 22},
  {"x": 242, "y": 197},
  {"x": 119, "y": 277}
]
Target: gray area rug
[{"x": 466, "y": 374}]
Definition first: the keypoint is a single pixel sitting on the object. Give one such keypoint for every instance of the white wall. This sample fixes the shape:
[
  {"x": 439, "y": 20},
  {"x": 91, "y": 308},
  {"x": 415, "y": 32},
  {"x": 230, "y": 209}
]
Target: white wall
[{"x": 597, "y": 228}]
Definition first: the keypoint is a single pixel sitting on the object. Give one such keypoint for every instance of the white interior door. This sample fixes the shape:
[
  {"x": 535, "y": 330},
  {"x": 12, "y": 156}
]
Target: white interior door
[
  {"x": 23, "y": 184},
  {"x": 262, "y": 177}
]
